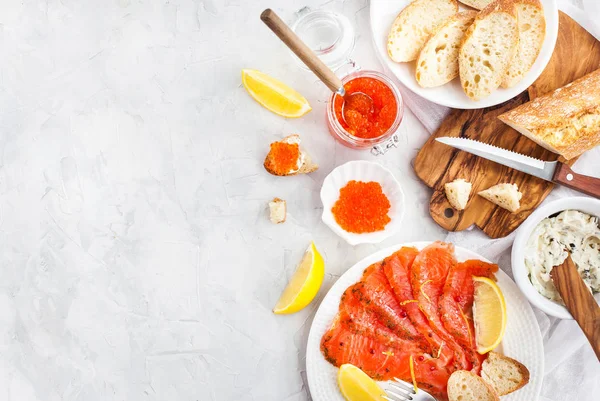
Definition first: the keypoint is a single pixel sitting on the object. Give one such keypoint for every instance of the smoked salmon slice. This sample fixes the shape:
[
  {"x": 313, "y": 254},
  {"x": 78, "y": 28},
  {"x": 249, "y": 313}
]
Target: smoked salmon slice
[
  {"x": 364, "y": 321},
  {"x": 456, "y": 304},
  {"x": 341, "y": 344},
  {"x": 429, "y": 271},
  {"x": 375, "y": 292},
  {"x": 397, "y": 269}
]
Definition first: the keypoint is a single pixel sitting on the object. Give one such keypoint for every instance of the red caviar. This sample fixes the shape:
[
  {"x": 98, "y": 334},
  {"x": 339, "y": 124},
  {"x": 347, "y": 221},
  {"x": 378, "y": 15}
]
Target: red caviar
[
  {"x": 360, "y": 121},
  {"x": 284, "y": 157},
  {"x": 362, "y": 207}
]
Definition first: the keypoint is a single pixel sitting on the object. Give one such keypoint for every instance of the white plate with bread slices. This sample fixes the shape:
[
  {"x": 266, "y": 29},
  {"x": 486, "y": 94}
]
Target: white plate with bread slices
[{"x": 466, "y": 54}]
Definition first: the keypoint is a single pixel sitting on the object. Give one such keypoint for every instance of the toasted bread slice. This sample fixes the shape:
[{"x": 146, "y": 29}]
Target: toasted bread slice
[
  {"x": 488, "y": 48},
  {"x": 303, "y": 165},
  {"x": 507, "y": 196},
  {"x": 478, "y": 4},
  {"x": 532, "y": 30},
  {"x": 277, "y": 211},
  {"x": 504, "y": 374},
  {"x": 415, "y": 24},
  {"x": 438, "y": 60},
  {"x": 565, "y": 121},
  {"x": 466, "y": 386},
  {"x": 458, "y": 192}
]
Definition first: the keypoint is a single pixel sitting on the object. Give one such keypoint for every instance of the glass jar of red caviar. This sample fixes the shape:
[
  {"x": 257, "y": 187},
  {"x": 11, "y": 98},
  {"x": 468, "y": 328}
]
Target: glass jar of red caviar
[{"x": 379, "y": 132}]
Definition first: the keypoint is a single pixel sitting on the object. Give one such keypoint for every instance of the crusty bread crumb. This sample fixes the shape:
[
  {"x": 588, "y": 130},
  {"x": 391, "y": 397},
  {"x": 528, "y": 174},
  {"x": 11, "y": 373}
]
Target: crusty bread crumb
[
  {"x": 504, "y": 374},
  {"x": 277, "y": 211},
  {"x": 413, "y": 26},
  {"x": 438, "y": 60},
  {"x": 507, "y": 196},
  {"x": 458, "y": 192},
  {"x": 305, "y": 164},
  {"x": 467, "y": 386}
]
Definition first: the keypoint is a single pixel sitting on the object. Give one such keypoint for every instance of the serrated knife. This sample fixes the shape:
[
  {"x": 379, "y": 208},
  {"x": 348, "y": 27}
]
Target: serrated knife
[{"x": 556, "y": 172}]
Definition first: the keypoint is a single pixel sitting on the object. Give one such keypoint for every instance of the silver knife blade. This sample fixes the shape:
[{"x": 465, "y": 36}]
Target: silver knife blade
[{"x": 526, "y": 164}]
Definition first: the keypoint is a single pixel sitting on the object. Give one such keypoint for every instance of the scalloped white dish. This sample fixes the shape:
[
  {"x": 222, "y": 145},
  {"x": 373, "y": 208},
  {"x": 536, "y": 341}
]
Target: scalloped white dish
[
  {"x": 522, "y": 339},
  {"x": 362, "y": 170}
]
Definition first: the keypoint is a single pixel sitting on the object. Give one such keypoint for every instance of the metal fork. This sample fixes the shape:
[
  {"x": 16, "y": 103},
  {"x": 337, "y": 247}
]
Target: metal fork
[{"x": 399, "y": 390}]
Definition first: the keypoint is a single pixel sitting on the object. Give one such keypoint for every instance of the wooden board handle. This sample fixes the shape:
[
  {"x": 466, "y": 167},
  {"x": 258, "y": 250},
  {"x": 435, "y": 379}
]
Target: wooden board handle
[
  {"x": 583, "y": 183},
  {"x": 303, "y": 52},
  {"x": 579, "y": 301}
]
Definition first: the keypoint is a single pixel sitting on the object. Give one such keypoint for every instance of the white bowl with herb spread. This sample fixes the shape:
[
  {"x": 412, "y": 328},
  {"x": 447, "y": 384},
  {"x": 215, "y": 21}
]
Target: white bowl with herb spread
[{"x": 542, "y": 242}]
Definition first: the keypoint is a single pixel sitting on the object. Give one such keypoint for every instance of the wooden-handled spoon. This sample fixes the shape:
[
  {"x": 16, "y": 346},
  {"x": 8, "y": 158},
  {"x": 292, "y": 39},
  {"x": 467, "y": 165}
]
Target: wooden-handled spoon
[
  {"x": 578, "y": 300},
  {"x": 314, "y": 63}
]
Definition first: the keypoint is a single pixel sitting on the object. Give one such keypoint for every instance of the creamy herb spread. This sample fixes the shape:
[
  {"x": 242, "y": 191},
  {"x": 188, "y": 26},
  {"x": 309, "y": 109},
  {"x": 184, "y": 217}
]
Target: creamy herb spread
[{"x": 573, "y": 230}]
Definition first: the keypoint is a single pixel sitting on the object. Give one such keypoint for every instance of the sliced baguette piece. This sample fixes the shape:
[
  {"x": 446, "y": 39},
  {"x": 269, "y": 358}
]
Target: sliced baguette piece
[
  {"x": 458, "y": 192},
  {"x": 488, "y": 48},
  {"x": 438, "y": 60},
  {"x": 566, "y": 121},
  {"x": 507, "y": 196},
  {"x": 304, "y": 164},
  {"x": 414, "y": 25},
  {"x": 504, "y": 374},
  {"x": 467, "y": 386},
  {"x": 532, "y": 31},
  {"x": 277, "y": 211},
  {"x": 478, "y": 4}
]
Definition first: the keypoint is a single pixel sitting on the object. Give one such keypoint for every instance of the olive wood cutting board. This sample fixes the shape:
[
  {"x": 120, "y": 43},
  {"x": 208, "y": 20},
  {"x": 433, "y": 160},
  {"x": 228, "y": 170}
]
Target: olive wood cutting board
[{"x": 576, "y": 54}]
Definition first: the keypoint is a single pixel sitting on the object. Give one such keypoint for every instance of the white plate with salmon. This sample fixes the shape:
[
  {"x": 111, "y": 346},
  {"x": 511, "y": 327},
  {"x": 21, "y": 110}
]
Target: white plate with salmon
[{"x": 415, "y": 301}]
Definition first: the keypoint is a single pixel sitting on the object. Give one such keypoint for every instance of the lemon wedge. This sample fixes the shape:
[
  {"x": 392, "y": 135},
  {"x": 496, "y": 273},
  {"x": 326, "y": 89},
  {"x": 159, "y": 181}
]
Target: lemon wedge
[
  {"x": 355, "y": 385},
  {"x": 489, "y": 314},
  {"x": 304, "y": 284},
  {"x": 274, "y": 95}
]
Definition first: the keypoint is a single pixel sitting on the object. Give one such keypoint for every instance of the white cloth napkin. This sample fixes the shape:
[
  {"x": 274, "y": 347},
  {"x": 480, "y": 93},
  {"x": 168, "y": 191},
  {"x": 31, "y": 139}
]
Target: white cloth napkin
[{"x": 572, "y": 371}]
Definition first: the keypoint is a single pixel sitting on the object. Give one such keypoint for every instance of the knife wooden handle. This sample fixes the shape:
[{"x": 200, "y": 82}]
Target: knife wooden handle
[
  {"x": 583, "y": 183},
  {"x": 578, "y": 300}
]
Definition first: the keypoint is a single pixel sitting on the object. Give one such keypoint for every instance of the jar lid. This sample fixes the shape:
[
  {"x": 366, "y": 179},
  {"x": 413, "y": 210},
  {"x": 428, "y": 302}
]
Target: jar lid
[{"x": 329, "y": 35}]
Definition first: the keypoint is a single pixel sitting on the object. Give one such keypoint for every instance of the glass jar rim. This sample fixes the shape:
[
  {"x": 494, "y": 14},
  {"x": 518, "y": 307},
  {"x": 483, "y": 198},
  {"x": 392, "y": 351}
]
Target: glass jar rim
[
  {"x": 366, "y": 142},
  {"x": 336, "y": 53}
]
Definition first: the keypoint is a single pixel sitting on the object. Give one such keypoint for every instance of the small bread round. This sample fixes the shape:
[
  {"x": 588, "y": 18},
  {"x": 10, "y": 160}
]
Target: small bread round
[
  {"x": 532, "y": 31},
  {"x": 488, "y": 48},
  {"x": 438, "y": 60},
  {"x": 414, "y": 25},
  {"x": 467, "y": 386},
  {"x": 504, "y": 374}
]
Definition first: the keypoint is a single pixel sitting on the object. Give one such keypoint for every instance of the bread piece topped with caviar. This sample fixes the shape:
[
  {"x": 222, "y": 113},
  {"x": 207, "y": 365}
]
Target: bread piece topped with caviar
[{"x": 286, "y": 158}]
